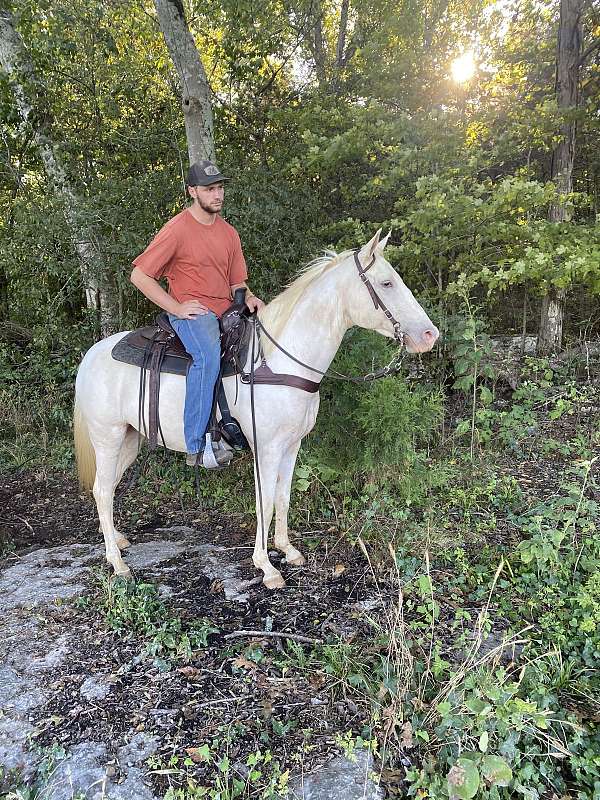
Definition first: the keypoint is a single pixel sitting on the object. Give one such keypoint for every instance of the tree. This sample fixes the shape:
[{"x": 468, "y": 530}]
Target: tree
[
  {"x": 568, "y": 62},
  {"x": 195, "y": 91},
  {"x": 28, "y": 92}
]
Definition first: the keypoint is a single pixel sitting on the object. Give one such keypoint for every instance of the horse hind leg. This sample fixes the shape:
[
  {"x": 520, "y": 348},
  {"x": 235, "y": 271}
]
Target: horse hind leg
[
  {"x": 127, "y": 455},
  {"x": 108, "y": 461},
  {"x": 282, "y": 504}
]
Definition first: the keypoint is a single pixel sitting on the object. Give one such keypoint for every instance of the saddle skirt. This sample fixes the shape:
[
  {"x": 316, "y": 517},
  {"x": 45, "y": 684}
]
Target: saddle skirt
[{"x": 136, "y": 347}]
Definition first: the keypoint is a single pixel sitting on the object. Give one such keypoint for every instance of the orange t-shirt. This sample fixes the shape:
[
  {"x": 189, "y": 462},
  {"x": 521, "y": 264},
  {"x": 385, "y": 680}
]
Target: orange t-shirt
[{"x": 200, "y": 262}]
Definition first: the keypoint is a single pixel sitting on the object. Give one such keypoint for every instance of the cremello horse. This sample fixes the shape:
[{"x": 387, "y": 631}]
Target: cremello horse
[{"x": 309, "y": 320}]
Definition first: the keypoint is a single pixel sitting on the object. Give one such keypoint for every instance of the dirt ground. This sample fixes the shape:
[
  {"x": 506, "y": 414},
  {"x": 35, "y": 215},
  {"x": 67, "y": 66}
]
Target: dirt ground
[{"x": 234, "y": 684}]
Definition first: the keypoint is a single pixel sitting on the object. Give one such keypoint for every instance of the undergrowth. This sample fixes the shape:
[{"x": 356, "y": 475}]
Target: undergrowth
[{"x": 480, "y": 674}]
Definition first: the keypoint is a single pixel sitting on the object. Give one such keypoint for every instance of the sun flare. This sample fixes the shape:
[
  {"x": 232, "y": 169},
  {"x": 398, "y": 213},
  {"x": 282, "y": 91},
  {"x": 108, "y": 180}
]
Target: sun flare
[{"x": 463, "y": 67}]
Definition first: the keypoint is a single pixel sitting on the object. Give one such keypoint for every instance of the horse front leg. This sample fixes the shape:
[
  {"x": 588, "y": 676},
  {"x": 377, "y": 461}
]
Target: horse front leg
[
  {"x": 269, "y": 465},
  {"x": 282, "y": 504}
]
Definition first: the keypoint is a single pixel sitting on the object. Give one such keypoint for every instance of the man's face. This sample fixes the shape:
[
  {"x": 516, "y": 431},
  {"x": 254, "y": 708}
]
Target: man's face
[{"x": 209, "y": 198}]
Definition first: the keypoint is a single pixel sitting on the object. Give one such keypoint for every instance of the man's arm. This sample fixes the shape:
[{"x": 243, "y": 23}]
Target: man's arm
[
  {"x": 252, "y": 301},
  {"x": 152, "y": 289}
]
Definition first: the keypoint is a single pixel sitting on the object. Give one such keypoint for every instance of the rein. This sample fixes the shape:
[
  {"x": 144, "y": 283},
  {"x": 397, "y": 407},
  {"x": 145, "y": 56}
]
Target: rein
[{"x": 389, "y": 369}]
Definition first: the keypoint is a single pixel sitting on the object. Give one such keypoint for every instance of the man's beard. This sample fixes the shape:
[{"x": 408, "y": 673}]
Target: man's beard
[{"x": 208, "y": 207}]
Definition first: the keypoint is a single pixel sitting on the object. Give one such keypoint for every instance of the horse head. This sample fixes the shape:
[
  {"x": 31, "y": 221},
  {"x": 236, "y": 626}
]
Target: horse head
[{"x": 388, "y": 306}]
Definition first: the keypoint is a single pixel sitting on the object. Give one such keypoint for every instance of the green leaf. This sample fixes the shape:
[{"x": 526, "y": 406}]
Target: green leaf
[
  {"x": 463, "y": 779},
  {"x": 496, "y": 771},
  {"x": 444, "y": 709},
  {"x": 224, "y": 765},
  {"x": 476, "y": 705},
  {"x": 485, "y": 395}
]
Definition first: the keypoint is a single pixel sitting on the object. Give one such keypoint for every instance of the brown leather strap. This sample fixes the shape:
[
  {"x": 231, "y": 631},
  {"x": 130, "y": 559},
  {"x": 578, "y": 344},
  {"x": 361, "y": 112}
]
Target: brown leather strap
[
  {"x": 377, "y": 301},
  {"x": 264, "y": 374}
]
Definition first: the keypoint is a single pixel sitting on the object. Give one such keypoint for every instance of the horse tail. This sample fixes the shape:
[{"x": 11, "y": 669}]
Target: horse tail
[{"x": 84, "y": 451}]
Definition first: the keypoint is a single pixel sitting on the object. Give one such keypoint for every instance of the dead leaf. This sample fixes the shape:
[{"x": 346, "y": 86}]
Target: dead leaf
[
  {"x": 243, "y": 663},
  {"x": 189, "y": 672},
  {"x": 197, "y": 754},
  {"x": 406, "y": 736},
  {"x": 317, "y": 680}
]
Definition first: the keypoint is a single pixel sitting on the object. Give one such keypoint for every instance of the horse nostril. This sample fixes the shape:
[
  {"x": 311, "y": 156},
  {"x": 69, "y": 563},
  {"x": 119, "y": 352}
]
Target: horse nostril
[{"x": 430, "y": 335}]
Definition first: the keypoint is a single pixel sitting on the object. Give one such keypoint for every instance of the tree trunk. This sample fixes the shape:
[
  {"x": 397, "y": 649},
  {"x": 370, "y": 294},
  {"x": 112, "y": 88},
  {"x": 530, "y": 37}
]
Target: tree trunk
[
  {"x": 195, "y": 91},
  {"x": 567, "y": 83},
  {"x": 318, "y": 46},
  {"x": 29, "y": 96},
  {"x": 341, "y": 43}
]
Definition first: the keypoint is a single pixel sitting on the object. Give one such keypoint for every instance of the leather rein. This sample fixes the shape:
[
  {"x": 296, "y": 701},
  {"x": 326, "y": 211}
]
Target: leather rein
[{"x": 264, "y": 374}]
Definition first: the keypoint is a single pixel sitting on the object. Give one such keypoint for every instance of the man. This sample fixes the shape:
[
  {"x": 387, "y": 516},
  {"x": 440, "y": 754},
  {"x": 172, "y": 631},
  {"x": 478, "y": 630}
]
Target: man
[{"x": 201, "y": 257}]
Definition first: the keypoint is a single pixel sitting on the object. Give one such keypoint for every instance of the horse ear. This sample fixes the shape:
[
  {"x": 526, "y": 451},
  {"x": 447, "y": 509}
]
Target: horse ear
[
  {"x": 368, "y": 250},
  {"x": 383, "y": 242}
]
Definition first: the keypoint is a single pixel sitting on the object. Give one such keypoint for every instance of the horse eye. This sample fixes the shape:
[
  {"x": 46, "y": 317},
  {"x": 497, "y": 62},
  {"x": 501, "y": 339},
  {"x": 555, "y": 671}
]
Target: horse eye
[{"x": 387, "y": 284}]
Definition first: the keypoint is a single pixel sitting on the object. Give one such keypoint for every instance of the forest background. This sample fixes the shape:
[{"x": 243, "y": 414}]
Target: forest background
[{"x": 334, "y": 118}]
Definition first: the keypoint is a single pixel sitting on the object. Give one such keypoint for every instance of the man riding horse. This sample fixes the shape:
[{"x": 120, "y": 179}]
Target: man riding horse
[{"x": 200, "y": 255}]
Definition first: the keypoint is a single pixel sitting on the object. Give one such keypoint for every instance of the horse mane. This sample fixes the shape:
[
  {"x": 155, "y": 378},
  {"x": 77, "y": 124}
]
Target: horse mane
[{"x": 277, "y": 312}]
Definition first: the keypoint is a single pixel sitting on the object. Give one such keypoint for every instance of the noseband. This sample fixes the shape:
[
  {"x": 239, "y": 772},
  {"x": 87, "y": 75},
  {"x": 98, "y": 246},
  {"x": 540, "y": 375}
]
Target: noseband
[{"x": 377, "y": 301}]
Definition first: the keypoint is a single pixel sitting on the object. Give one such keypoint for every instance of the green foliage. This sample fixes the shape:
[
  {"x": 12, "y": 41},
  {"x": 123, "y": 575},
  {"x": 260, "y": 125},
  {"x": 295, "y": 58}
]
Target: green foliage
[
  {"x": 207, "y": 771},
  {"x": 371, "y": 441},
  {"x": 131, "y": 607}
]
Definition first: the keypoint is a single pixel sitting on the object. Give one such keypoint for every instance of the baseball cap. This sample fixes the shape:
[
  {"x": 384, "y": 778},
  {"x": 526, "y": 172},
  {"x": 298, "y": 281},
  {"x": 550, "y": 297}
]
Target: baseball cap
[{"x": 203, "y": 173}]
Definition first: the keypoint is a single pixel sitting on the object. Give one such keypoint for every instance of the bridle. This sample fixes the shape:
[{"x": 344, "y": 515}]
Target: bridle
[
  {"x": 399, "y": 336},
  {"x": 377, "y": 301}
]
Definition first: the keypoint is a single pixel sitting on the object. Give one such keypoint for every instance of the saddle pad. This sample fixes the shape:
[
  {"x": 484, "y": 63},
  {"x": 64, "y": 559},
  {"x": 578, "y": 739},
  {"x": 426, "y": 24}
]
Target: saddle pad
[{"x": 132, "y": 349}]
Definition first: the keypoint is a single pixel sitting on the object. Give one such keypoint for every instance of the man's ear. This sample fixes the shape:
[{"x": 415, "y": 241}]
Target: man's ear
[{"x": 368, "y": 250}]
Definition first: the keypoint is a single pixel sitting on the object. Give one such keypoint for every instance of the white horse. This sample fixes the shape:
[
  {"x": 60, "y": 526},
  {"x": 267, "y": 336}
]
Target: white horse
[{"x": 309, "y": 320}]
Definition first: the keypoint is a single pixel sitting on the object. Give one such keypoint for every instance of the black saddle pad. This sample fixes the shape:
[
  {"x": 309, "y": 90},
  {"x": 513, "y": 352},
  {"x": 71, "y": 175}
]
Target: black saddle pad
[{"x": 133, "y": 349}]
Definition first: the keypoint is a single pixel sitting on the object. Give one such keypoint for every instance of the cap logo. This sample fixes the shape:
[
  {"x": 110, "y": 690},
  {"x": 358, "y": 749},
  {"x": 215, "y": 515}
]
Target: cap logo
[{"x": 211, "y": 170}]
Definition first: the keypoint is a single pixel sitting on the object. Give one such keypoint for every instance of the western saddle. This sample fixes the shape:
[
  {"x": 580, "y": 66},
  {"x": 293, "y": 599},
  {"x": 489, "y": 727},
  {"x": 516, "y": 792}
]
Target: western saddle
[{"x": 157, "y": 348}]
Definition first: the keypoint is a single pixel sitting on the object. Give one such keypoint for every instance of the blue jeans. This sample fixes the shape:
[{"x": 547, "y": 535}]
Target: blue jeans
[{"x": 201, "y": 338}]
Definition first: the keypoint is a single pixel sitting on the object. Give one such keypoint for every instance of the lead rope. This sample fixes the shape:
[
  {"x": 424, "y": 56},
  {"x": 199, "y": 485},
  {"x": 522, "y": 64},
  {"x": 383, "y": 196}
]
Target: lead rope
[{"x": 256, "y": 461}]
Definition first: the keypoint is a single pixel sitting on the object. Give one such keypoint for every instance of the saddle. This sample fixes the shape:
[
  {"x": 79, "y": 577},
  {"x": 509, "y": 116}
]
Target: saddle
[{"x": 157, "y": 349}]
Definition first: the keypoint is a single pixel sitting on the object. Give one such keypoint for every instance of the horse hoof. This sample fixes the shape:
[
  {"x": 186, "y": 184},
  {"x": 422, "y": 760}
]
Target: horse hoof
[
  {"x": 125, "y": 573},
  {"x": 122, "y": 543},
  {"x": 297, "y": 561},
  {"x": 274, "y": 582}
]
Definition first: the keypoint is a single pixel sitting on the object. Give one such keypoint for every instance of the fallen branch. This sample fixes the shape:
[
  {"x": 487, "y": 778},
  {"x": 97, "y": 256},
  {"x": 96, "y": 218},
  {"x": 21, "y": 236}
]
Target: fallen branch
[{"x": 296, "y": 637}]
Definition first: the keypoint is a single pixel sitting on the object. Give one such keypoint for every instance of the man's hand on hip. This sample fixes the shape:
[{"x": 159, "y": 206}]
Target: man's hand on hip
[
  {"x": 190, "y": 309},
  {"x": 254, "y": 303}
]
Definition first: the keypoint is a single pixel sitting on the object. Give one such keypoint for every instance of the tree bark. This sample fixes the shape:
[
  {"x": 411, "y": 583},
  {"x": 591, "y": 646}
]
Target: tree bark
[
  {"x": 318, "y": 46},
  {"x": 340, "y": 49},
  {"x": 568, "y": 58},
  {"x": 29, "y": 97},
  {"x": 195, "y": 91}
]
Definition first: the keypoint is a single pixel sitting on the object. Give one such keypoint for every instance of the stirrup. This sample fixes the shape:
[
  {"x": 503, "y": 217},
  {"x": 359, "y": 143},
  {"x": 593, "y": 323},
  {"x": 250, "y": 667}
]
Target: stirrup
[{"x": 208, "y": 457}]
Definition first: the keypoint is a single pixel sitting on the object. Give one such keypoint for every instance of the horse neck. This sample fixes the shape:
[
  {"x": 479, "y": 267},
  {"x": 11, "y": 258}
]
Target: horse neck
[{"x": 315, "y": 328}]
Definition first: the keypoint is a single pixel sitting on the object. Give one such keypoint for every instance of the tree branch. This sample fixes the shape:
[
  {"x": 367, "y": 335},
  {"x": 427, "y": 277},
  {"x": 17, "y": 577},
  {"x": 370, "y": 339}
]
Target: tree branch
[
  {"x": 295, "y": 637},
  {"x": 588, "y": 52}
]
